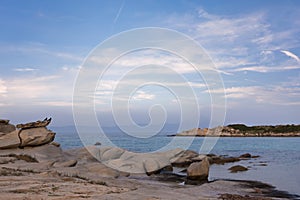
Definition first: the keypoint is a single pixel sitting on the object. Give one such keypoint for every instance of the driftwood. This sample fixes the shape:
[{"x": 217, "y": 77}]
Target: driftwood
[{"x": 36, "y": 124}]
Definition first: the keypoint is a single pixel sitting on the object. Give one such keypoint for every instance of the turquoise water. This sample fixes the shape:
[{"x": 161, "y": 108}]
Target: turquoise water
[{"x": 278, "y": 164}]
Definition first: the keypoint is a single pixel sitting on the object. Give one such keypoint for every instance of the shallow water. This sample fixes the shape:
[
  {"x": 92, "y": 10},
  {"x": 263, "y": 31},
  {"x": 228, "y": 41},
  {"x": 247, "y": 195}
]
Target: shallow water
[{"x": 280, "y": 155}]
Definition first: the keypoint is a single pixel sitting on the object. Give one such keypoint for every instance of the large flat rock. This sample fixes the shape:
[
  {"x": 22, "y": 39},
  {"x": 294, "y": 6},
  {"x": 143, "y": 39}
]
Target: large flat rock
[{"x": 131, "y": 162}]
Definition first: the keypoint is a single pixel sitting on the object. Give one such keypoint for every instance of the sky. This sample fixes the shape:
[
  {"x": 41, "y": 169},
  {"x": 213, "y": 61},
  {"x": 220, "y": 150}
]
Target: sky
[{"x": 254, "y": 45}]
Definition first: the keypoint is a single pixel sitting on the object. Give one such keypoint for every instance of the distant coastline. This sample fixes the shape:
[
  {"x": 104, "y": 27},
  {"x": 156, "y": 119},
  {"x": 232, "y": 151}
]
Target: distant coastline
[{"x": 241, "y": 130}]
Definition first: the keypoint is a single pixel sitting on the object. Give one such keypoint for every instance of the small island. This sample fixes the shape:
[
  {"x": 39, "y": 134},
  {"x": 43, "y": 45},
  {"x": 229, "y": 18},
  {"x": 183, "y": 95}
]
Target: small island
[{"x": 241, "y": 130}]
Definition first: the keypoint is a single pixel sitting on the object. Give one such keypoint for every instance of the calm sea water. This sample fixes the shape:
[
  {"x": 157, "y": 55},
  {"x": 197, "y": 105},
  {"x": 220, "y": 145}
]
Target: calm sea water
[{"x": 278, "y": 164}]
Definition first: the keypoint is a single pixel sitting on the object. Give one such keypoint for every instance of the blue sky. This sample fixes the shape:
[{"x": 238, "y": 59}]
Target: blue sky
[{"x": 255, "y": 45}]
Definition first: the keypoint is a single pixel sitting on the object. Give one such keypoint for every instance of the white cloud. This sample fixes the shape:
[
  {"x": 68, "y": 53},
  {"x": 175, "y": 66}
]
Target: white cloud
[
  {"x": 26, "y": 69},
  {"x": 142, "y": 95},
  {"x": 231, "y": 28},
  {"x": 41, "y": 49},
  {"x": 276, "y": 95},
  {"x": 290, "y": 54},
  {"x": 57, "y": 103},
  {"x": 266, "y": 69},
  {"x": 51, "y": 90},
  {"x": 3, "y": 88},
  {"x": 241, "y": 42}
]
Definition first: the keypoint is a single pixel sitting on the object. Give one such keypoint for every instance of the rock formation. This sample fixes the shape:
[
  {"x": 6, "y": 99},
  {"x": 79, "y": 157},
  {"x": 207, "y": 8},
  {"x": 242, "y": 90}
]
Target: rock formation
[
  {"x": 36, "y": 124},
  {"x": 30, "y": 134},
  {"x": 198, "y": 170},
  {"x": 130, "y": 162},
  {"x": 5, "y": 127},
  {"x": 30, "y": 148}
]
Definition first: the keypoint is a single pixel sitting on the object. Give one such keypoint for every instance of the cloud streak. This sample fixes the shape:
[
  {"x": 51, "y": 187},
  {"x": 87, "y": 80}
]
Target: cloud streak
[
  {"x": 3, "y": 88},
  {"x": 119, "y": 12},
  {"x": 290, "y": 54},
  {"x": 275, "y": 95},
  {"x": 27, "y": 69}
]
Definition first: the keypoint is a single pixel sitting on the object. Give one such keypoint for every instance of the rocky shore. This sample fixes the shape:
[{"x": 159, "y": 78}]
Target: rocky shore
[
  {"x": 241, "y": 130},
  {"x": 32, "y": 166}
]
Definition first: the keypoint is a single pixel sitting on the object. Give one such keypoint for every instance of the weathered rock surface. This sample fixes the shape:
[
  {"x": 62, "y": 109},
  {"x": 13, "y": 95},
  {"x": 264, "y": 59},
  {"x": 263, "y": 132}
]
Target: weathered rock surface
[
  {"x": 198, "y": 170},
  {"x": 185, "y": 159},
  {"x": 130, "y": 162},
  {"x": 10, "y": 140},
  {"x": 5, "y": 127},
  {"x": 36, "y": 136},
  {"x": 49, "y": 157},
  {"x": 69, "y": 163},
  {"x": 88, "y": 166},
  {"x": 36, "y": 124},
  {"x": 4, "y": 121},
  {"x": 43, "y": 153}
]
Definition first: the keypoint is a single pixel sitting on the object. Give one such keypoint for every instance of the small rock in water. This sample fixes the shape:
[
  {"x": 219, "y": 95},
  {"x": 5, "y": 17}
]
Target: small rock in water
[
  {"x": 237, "y": 168},
  {"x": 246, "y": 155},
  {"x": 97, "y": 144}
]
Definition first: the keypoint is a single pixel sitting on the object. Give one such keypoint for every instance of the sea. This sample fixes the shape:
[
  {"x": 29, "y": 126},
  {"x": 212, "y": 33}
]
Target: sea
[{"x": 278, "y": 163}]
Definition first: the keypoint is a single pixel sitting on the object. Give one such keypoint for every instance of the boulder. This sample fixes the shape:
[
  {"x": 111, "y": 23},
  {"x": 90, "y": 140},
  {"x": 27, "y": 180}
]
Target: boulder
[
  {"x": 246, "y": 155},
  {"x": 222, "y": 160},
  {"x": 184, "y": 159},
  {"x": 10, "y": 140},
  {"x": 198, "y": 170},
  {"x": 237, "y": 168},
  {"x": 4, "y": 121},
  {"x": 97, "y": 144},
  {"x": 5, "y": 127},
  {"x": 36, "y": 136},
  {"x": 199, "y": 158}
]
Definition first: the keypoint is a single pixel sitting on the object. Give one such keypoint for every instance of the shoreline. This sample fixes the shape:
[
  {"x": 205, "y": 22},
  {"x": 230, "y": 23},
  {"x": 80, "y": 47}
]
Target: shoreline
[
  {"x": 34, "y": 166},
  {"x": 90, "y": 179},
  {"x": 53, "y": 186}
]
